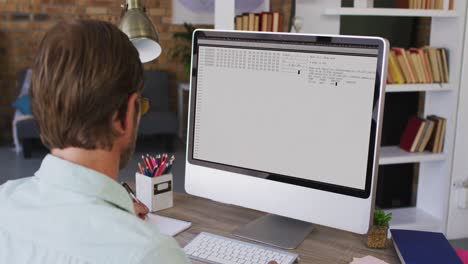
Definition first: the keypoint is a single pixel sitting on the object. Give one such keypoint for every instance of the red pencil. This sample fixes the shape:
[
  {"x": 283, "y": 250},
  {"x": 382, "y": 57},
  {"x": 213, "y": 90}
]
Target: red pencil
[
  {"x": 150, "y": 166},
  {"x": 153, "y": 162},
  {"x": 145, "y": 162},
  {"x": 141, "y": 168},
  {"x": 161, "y": 169}
]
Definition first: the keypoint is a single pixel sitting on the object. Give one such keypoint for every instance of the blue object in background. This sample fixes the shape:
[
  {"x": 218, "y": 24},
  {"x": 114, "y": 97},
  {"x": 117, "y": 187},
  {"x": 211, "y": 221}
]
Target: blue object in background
[
  {"x": 419, "y": 247},
  {"x": 23, "y": 104}
]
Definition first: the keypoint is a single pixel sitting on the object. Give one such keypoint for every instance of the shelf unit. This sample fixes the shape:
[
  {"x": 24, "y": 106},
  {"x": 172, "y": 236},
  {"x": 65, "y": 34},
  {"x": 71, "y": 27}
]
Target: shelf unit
[
  {"x": 447, "y": 30},
  {"x": 435, "y": 170},
  {"x": 418, "y": 87},
  {"x": 396, "y": 155},
  {"x": 415, "y": 218},
  {"x": 349, "y": 11}
]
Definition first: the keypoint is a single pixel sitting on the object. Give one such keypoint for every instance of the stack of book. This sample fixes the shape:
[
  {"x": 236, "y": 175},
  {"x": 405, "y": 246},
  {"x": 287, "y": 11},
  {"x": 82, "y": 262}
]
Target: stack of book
[
  {"x": 424, "y": 65},
  {"x": 265, "y": 21},
  {"x": 423, "y": 4},
  {"x": 424, "y": 134}
]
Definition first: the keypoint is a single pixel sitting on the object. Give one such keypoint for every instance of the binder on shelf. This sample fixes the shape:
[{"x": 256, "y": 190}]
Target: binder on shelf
[
  {"x": 395, "y": 70},
  {"x": 439, "y": 65},
  {"x": 245, "y": 21},
  {"x": 270, "y": 22},
  {"x": 424, "y": 65},
  {"x": 439, "y": 4},
  {"x": 276, "y": 23},
  {"x": 432, "y": 54},
  {"x": 257, "y": 22},
  {"x": 400, "y": 54},
  {"x": 433, "y": 142},
  {"x": 412, "y": 67},
  {"x": 437, "y": 139},
  {"x": 238, "y": 23},
  {"x": 402, "y": 4},
  {"x": 422, "y": 4},
  {"x": 442, "y": 136},
  {"x": 427, "y": 65},
  {"x": 265, "y": 21},
  {"x": 418, "y": 66},
  {"x": 424, "y": 134},
  {"x": 445, "y": 65},
  {"x": 410, "y": 133},
  {"x": 419, "y": 135},
  {"x": 251, "y": 25}
]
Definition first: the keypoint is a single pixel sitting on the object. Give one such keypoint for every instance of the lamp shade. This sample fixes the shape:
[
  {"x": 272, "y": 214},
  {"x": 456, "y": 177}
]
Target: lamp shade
[{"x": 141, "y": 32}]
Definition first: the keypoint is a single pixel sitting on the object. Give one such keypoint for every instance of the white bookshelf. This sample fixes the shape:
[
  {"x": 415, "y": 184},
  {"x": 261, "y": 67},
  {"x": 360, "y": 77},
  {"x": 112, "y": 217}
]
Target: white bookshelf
[
  {"x": 414, "y": 218},
  {"x": 435, "y": 169},
  {"x": 418, "y": 87},
  {"x": 396, "y": 155},
  {"x": 225, "y": 12},
  {"x": 350, "y": 11}
]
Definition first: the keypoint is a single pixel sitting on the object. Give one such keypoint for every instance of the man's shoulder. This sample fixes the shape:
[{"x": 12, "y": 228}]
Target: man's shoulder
[
  {"x": 142, "y": 240},
  {"x": 16, "y": 182},
  {"x": 80, "y": 221},
  {"x": 14, "y": 187}
]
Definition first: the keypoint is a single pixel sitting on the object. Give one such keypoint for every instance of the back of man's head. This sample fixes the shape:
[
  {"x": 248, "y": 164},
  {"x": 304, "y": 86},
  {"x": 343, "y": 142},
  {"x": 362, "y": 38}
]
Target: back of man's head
[{"x": 83, "y": 74}]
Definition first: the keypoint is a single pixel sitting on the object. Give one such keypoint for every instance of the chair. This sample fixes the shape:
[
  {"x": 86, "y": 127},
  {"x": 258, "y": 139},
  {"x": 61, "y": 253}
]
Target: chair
[
  {"x": 159, "y": 120},
  {"x": 25, "y": 129}
]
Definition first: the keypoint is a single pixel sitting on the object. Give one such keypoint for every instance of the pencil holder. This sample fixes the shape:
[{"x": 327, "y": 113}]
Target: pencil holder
[{"x": 154, "y": 192}]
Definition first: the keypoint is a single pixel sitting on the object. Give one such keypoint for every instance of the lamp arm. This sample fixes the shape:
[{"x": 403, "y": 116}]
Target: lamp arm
[{"x": 124, "y": 9}]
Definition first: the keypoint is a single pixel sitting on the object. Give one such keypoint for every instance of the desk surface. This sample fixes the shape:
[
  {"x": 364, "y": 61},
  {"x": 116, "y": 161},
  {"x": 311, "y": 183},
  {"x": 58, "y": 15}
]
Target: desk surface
[{"x": 323, "y": 245}]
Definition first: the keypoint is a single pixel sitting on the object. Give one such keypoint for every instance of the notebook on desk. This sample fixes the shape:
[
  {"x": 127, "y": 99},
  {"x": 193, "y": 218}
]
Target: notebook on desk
[
  {"x": 168, "y": 226},
  {"x": 414, "y": 247}
]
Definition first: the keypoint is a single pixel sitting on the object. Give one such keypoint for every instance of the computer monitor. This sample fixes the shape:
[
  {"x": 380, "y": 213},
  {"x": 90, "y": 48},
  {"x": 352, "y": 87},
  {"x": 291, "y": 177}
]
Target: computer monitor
[{"x": 287, "y": 124}]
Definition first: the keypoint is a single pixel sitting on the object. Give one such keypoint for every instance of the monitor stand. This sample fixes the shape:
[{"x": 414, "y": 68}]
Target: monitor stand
[{"x": 275, "y": 230}]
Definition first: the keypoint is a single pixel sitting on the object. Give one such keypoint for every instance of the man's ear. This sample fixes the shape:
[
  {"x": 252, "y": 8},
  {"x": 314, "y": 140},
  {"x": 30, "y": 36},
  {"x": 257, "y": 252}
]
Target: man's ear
[{"x": 124, "y": 125}]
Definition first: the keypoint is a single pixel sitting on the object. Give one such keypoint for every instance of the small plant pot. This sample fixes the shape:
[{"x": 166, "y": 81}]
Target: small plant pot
[{"x": 377, "y": 237}]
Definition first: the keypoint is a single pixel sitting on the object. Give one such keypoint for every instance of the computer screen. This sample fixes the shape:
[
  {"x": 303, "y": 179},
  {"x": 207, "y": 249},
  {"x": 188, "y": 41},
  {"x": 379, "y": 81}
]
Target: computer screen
[{"x": 294, "y": 111}]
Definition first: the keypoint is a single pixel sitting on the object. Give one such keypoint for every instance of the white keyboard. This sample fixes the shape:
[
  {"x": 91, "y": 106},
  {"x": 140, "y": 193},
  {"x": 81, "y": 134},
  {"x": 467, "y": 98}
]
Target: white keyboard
[{"x": 216, "y": 249}]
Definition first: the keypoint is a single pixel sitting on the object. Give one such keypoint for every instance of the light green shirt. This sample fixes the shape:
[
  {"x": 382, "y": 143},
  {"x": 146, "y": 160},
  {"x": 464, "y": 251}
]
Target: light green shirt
[{"x": 67, "y": 213}]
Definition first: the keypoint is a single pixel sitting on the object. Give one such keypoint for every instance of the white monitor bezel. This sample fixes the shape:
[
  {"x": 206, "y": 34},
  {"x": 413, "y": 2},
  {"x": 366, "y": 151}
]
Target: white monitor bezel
[{"x": 229, "y": 184}]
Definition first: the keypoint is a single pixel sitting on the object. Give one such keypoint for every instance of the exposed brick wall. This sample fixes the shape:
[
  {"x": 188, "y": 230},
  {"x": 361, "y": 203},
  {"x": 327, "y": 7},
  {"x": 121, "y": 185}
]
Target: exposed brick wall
[{"x": 24, "y": 22}]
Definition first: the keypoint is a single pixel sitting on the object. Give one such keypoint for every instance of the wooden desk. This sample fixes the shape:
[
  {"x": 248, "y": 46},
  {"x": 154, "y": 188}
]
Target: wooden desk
[{"x": 323, "y": 245}]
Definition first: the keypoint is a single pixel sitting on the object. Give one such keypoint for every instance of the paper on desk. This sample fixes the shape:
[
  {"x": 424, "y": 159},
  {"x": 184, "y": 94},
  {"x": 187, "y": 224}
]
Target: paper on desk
[
  {"x": 367, "y": 260},
  {"x": 166, "y": 225}
]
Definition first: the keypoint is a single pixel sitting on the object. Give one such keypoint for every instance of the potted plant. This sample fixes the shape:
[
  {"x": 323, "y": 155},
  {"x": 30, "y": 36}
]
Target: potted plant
[
  {"x": 183, "y": 50},
  {"x": 377, "y": 237}
]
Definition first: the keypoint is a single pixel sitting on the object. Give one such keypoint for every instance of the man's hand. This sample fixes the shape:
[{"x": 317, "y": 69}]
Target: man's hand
[{"x": 140, "y": 209}]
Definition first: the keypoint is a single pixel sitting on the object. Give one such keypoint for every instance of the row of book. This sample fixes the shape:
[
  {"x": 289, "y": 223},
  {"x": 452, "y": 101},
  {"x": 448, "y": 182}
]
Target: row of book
[
  {"x": 424, "y": 4},
  {"x": 424, "y": 65},
  {"x": 265, "y": 21},
  {"x": 424, "y": 134}
]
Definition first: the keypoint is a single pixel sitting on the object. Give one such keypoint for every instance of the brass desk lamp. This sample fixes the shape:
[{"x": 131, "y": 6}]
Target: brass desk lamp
[{"x": 140, "y": 30}]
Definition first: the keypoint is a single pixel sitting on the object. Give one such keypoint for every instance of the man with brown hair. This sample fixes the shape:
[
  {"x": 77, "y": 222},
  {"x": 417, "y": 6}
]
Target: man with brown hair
[{"x": 86, "y": 86}]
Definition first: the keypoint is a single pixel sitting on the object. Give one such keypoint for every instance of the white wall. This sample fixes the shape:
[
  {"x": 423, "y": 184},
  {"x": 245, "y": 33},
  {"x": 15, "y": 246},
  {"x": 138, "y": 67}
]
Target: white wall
[{"x": 312, "y": 12}]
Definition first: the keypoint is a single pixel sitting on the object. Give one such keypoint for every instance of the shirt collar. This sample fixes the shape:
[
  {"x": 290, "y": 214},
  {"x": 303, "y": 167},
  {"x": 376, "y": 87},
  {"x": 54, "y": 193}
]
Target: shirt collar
[{"x": 76, "y": 178}]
